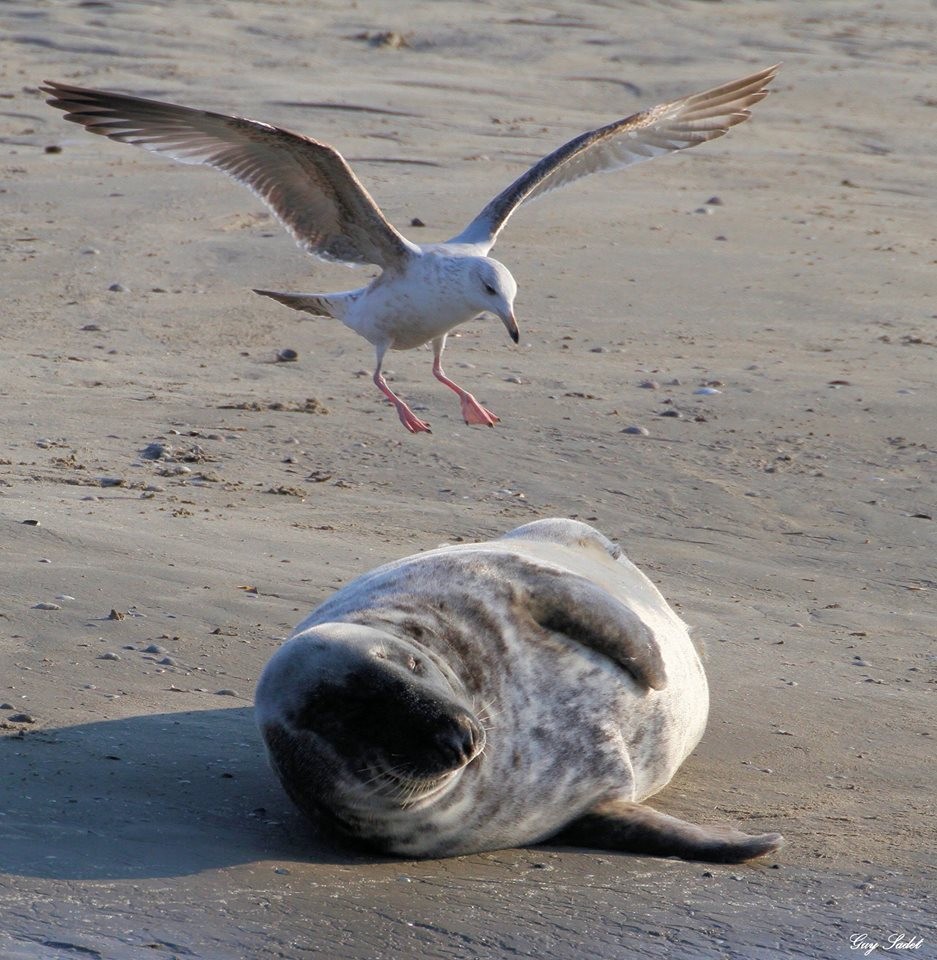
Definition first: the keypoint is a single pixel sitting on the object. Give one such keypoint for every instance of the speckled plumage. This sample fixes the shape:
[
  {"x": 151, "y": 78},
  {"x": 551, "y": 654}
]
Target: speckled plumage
[
  {"x": 482, "y": 696},
  {"x": 425, "y": 290}
]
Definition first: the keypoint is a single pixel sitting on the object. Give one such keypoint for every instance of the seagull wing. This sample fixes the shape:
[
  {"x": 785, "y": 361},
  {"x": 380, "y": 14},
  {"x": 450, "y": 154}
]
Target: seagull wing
[
  {"x": 651, "y": 133},
  {"x": 308, "y": 185}
]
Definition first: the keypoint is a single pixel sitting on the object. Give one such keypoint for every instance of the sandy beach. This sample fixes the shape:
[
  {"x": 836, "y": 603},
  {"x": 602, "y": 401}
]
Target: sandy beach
[{"x": 788, "y": 517}]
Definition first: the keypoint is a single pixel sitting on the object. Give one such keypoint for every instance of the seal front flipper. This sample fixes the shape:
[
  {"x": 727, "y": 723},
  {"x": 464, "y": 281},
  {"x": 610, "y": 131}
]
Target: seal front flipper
[
  {"x": 635, "y": 828},
  {"x": 570, "y": 604}
]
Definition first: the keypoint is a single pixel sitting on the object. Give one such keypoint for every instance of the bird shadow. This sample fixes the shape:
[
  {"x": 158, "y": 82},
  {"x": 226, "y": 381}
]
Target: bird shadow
[{"x": 149, "y": 796}]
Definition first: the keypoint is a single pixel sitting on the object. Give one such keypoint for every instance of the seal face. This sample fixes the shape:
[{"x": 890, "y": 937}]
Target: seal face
[{"x": 491, "y": 695}]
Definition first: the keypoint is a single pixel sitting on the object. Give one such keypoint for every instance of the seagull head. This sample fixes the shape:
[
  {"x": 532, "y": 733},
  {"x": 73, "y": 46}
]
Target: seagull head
[{"x": 492, "y": 289}]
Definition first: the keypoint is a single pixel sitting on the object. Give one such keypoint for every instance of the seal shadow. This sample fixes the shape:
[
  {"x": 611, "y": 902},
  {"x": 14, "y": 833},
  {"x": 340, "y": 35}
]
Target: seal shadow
[{"x": 149, "y": 796}]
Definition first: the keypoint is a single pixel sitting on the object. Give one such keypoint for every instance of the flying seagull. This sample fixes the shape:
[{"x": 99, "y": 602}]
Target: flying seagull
[{"x": 424, "y": 290}]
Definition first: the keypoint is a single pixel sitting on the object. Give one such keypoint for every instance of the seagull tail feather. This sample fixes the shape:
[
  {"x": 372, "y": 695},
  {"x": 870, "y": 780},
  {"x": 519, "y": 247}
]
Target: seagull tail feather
[{"x": 316, "y": 304}]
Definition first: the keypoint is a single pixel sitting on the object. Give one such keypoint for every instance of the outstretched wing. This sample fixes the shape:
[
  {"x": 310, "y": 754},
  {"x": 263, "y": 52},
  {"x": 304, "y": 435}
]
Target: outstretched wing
[
  {"x": 308, "y": 185},
  {"x": 651, "y": 133}
]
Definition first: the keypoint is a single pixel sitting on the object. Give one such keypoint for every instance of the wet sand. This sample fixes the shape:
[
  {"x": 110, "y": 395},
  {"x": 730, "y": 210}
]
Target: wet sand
[{"x": 789, "y": 518}]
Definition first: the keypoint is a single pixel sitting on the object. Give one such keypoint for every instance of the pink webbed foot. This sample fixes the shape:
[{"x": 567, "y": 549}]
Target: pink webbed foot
[
  {"x": 474, "y": 413},
  {"x": 407, "y": 417},
  {"x": 411, "y": 421}
]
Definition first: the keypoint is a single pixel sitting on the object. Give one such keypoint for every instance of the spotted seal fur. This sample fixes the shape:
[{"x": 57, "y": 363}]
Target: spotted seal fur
[{"x": 491, "y": 695}]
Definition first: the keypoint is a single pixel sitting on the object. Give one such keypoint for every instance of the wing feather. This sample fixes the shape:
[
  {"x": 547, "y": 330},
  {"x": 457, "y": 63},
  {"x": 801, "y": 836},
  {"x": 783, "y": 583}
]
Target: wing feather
[
  {"x": 307, "y": 184},
  {"x": 651, "y": 133}
]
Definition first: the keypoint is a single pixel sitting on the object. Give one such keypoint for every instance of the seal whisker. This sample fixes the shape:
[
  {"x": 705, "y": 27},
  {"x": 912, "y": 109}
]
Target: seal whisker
[{"x": 486, "y": 716}]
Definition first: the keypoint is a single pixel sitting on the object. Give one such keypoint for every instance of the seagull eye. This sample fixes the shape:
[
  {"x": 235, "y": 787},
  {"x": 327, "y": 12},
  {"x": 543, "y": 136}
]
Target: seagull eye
[{"x": 490, "y": 289}]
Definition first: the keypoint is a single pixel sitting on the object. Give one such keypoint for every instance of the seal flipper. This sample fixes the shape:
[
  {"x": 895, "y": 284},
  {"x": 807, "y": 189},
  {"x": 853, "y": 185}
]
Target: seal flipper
[
  {"x": 569, "y": 533},
  {"x": 635, "y": 828},
  {"x": 570, "y": 604}
]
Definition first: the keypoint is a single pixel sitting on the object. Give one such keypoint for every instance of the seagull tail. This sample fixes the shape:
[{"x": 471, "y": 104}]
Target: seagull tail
[{"x": 316, "y": 304}]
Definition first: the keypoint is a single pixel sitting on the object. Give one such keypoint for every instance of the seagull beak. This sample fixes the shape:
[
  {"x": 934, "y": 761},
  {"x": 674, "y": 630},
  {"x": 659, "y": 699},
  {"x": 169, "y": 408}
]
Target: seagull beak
[{"x": 511, "y": 324}]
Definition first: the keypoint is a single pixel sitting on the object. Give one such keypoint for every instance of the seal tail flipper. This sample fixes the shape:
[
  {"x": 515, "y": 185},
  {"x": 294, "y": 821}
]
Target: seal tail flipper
[
  {"x": 635, "y": 828},
  {"x": 569, "y": 533},
  {"x": 316, "y": 304}
]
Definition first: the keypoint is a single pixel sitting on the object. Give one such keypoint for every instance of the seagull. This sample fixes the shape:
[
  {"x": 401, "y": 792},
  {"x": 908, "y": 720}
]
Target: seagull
[{"x": 423, "y": 291}]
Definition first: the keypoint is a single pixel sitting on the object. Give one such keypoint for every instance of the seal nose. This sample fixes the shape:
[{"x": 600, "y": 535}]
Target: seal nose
[{"x": 460, "y": 740}]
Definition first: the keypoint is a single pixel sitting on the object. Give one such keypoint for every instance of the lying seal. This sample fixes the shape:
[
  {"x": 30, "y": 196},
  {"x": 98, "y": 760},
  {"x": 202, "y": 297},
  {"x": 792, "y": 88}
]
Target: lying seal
[{"x": 492, "y": 695}]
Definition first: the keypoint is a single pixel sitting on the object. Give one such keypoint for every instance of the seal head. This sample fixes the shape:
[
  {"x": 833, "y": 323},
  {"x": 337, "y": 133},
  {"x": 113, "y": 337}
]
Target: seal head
[{"x": 364, "y": 724}]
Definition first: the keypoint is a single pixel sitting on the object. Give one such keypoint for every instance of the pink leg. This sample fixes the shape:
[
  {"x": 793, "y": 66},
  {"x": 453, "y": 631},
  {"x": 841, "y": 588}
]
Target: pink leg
[
  {"x": 407, "y": 417},
  {"x": 472, "y": 410}
]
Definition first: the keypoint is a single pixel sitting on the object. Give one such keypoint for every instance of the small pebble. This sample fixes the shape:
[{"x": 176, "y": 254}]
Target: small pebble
[
  {"x": 286, "y": 355},
  {"x": 44, "y": 560},
  {"x": 90, "y": 252},
  {"x": 167, "y": 662},
  {"x": 226, "y": 693},
  {"x": 111, "y": 481},
  {"x": 598, "y": 350},
  {"x": 714, "y": 201},
  {"x": 706, "y": 391},
  {"x": 417, "y": 222},
  {"x": 155, "y": 648},
  {"x": 676, "y": 414},
  {"x": 52, "y": 148},
  {"x": 118, "y": 288},
  {"x": 90, "y": 328},
  {"x": 156, "y": 451},
  {"x": 6, "y": 706},
  {"x": 513, "y": 380},
  {"x": 22, "y": 718},
  {"x": 637, "y": 431},
  {"x": 31, "y": 523},
  {"x": 116, "y": 615},
  {"x": 109, "y": 656},
  {"x": 43, "y": 605},
  {"x": 649, "y": 385},
  {"x": 64, "y": 596}
]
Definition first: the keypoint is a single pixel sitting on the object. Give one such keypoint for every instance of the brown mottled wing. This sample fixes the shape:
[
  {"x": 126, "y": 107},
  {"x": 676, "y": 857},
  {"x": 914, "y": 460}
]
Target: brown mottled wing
[
  {"x": 652, "y": 133},
  {"x": 308, "y": 185}
]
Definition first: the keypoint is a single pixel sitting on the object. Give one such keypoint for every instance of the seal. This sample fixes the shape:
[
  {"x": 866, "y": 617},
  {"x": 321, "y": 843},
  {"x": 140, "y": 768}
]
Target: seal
[{"x": 479, "y": 696}]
